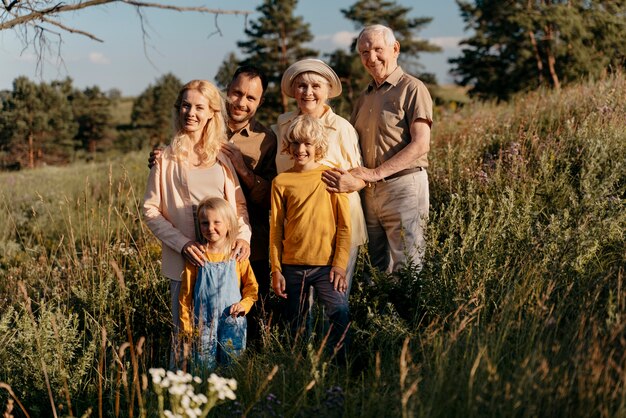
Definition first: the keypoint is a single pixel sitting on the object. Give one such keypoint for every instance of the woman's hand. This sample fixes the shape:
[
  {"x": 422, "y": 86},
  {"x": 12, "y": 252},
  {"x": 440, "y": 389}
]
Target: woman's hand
[
  {"x": 339, "y": 180},
  {"x": 241, "y": 250},
  {"x": 338, "y": 279},
  {"x": 278, "y": 284},
  {"x": 237, "y": 310},
  {"x": 194, "y": 253}
]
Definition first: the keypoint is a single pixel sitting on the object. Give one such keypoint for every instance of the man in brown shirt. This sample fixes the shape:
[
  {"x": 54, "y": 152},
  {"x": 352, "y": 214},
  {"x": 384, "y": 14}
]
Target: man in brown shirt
[
  {"x": 393, "y": 117},
  {"x": 252, "y": 150}
]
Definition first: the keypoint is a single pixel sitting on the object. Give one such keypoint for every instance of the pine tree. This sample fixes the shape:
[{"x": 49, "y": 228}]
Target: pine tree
[
  {"x": 36, "y": 124},
  {"x": 152, "y": 113},
  {"x": 226, "y": 71},
  {"x": 394, "y": 16},
  {"x": 368, "y": 12},
  {"x": 92, "y": 112},
  {"x": 275, "y": 41},
  {"x": 520, "y": 45}
]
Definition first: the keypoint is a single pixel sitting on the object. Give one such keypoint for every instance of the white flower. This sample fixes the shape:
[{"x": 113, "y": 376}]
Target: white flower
[
  {"x": 222, "y": 387},
  {"x": 177, "y": 390}
]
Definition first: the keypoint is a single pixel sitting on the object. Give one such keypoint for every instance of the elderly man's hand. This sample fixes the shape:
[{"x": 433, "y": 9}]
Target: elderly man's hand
[
  {"x": 339, "y": 180},
  {"x": 366, "y": 174}
]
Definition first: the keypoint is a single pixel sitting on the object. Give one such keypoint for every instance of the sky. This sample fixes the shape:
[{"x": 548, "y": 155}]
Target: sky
[{"x": 192, "y": 45}]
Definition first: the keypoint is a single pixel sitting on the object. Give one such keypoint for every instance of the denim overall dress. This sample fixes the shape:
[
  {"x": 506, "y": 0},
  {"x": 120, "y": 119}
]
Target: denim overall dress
[{"x": 221, "y": 337}]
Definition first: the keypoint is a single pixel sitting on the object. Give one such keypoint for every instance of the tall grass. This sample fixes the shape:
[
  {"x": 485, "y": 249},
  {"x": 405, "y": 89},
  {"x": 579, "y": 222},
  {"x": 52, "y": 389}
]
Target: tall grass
[{"x": 520, "y": 309}]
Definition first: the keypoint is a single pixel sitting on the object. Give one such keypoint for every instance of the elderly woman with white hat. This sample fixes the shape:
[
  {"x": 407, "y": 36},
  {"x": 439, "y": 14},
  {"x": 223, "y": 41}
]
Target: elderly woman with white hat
[{"x": 312, "y": 82}]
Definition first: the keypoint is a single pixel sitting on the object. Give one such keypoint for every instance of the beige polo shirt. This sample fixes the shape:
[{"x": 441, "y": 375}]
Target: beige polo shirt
[{"x": 383, "y": 116}]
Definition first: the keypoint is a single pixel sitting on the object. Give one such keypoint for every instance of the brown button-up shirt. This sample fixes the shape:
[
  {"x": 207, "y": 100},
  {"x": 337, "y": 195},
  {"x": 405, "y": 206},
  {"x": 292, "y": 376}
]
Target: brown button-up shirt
[
  {"x": 258, "y": 146},
  {"x": 383, "y": 116}
]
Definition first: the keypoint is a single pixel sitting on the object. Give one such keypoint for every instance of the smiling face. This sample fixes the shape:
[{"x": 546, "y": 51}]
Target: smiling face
[
  {"x": 378, "y": 57},
  {"x": 245, "y": 94},
  {"x": 303, "y": 155},
  {"x": 214, "y": 228},
  {"x": 194, "y": 112},
  {"x": 311, "y": 93}
]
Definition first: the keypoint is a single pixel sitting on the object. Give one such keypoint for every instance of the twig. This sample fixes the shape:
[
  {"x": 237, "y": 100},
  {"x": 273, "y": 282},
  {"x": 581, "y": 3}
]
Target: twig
[{"x": 8, "y": 389}]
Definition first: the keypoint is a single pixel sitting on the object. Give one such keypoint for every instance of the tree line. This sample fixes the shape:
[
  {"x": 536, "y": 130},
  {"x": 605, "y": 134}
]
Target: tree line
[
  {"x": 56, "y": 123},
  {"x": 515, "y": 45}
]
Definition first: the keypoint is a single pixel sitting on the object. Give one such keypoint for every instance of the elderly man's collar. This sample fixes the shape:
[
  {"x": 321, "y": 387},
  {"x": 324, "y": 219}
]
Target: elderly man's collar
[{"x": 392, "y": 79}]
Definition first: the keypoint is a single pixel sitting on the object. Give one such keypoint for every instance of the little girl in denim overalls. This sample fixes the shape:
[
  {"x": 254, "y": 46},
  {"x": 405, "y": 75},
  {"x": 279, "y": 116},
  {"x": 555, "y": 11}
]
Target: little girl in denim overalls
[{"x": 213, "y": 290}]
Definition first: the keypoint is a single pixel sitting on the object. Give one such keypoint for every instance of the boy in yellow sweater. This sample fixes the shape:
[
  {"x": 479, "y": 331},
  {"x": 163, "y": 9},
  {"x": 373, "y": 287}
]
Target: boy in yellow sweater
[{"x": 309, "y": 233}]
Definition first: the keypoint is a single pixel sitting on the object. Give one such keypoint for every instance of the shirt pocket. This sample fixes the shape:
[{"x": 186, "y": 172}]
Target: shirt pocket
[{"x": 392, "y": 113}]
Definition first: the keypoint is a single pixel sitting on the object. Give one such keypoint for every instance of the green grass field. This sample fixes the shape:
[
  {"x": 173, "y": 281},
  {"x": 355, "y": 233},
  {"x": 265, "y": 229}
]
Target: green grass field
[{"x": 519, "y": 311}]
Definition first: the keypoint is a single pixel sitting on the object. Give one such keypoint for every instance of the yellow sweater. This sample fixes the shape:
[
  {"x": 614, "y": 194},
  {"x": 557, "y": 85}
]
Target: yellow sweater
[
  {"x": 247, "y": 283},
  {"x": 308, "y": 225}
]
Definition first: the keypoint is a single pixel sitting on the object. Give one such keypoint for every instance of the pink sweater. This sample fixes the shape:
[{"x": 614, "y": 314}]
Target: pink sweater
[{"x": 168, "y": 213}]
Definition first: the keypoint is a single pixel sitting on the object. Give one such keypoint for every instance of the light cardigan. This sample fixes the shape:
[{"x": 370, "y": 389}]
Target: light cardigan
[
  {"x": 343, "y": 152},
  {"x": 167, "y": 208}
]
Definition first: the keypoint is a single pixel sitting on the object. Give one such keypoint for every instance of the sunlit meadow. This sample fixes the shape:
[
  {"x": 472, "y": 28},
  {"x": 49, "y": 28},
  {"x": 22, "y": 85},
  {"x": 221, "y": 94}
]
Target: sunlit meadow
[{"x": 520, "y": 309}]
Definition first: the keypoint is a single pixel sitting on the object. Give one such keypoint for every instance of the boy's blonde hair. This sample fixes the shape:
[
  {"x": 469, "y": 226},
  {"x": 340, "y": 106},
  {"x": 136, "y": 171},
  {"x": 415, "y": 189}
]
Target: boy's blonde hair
[
  {"x": 226, "y": 212},
  {"x": 306, "y": 128}
]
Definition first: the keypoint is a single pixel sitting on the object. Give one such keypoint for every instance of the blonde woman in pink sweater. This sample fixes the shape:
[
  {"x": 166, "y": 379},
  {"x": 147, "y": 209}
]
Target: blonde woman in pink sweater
[{"x": 190, "y": 169}]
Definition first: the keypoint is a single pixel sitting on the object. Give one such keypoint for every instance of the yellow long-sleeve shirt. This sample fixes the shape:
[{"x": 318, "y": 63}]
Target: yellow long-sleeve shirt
[
  {"x": 247, "y": 283},
  {"x": 308, "y": 225}
]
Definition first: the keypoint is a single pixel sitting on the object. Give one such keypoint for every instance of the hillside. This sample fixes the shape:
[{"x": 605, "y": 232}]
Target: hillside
[{"x": 520, "y": 309}]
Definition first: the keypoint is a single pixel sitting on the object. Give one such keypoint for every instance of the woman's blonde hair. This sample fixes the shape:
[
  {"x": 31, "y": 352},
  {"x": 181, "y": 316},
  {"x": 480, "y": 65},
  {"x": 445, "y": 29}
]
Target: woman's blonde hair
[
  {"x": 213, "y": 133},
  {"x": 306, "y": 128},
  {"x": 227, "y": 213}
]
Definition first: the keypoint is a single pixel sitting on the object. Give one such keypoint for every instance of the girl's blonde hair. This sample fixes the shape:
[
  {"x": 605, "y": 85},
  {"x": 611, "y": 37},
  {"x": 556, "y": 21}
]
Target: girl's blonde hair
[
  {"x": 213, "y": 133},
  {"x": 306, "y": 128},
  {"x": 227, "y": 213}
]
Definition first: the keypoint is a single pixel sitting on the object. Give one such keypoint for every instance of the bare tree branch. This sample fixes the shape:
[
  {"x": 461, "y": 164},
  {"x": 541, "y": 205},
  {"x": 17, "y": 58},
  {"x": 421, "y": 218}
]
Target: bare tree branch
[
  {"x": 71, "y": 30},
  {"x": 24, "y": 16},
  {"x": 61, "y": 8}
]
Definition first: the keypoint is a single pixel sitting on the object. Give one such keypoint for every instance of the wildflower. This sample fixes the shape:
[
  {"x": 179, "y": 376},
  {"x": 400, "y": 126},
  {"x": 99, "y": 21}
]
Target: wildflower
[
  {"x": 224, "y": 387},
  {"x": 182, "y": 397}
]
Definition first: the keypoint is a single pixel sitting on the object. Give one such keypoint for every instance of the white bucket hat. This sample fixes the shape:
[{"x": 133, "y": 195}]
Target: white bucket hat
[{"x": 310, "y": 65}]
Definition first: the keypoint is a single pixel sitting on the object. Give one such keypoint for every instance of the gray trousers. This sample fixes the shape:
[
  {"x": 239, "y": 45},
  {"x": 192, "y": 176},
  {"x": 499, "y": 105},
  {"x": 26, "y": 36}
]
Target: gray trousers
[{"x": 396, "y": 212}]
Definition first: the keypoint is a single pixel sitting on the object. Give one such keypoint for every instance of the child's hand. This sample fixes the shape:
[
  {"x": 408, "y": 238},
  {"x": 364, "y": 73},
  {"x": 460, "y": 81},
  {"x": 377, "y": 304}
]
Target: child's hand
[
  {"x": 278, "y": 284},
  {"x": 338, "y": 279},
  {"x": 236, "y": 310}
]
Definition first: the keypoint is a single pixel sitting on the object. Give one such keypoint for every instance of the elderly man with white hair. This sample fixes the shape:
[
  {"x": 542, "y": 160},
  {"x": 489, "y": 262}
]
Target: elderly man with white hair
[{"x": 393, "y": 117}]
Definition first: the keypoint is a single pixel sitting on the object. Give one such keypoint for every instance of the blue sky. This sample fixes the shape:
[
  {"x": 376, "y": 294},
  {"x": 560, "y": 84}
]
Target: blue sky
[{"x": 186, "y": 44}]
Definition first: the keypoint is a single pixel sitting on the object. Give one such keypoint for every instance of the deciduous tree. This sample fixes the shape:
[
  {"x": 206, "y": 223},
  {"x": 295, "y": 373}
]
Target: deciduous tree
[{"x": 520, "y": 45}]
